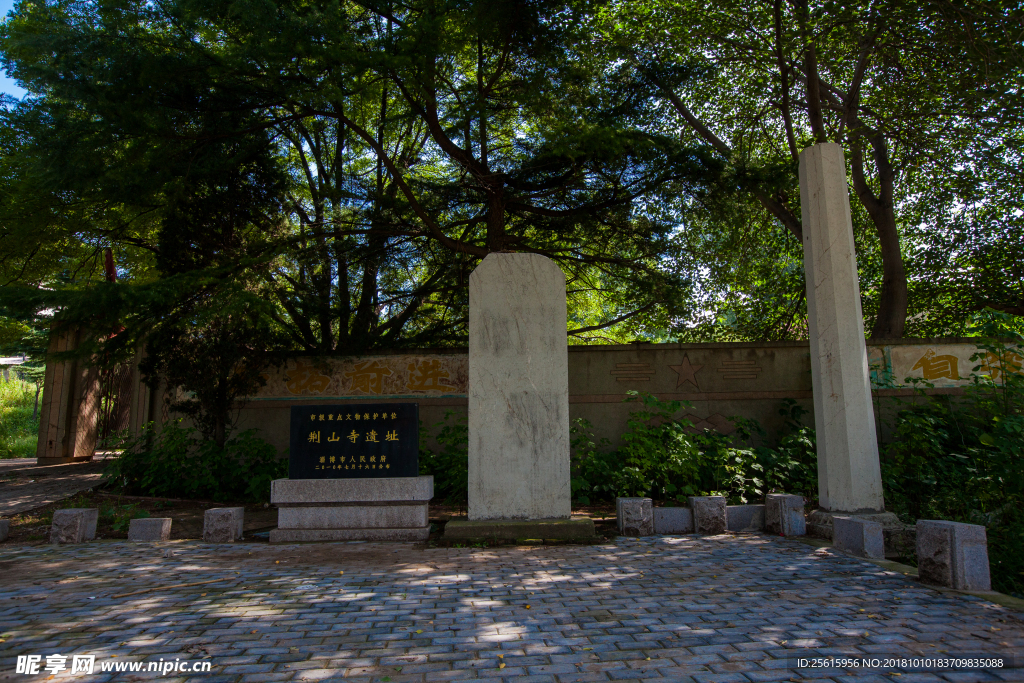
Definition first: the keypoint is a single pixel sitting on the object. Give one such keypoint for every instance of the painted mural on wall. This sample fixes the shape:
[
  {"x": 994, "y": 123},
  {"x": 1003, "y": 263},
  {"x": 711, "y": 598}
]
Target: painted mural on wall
[
  {"x": 405, "y": 375},
  {"x": 943, "y": 365}
]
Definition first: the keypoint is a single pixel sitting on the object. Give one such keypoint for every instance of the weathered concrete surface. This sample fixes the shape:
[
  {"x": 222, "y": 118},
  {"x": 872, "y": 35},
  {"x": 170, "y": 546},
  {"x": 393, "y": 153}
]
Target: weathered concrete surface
[
  {"x": 74, "y": 525},
  {"x": 362, "y": 534},
  {"x": 849, "y": 475},
  {"x": 709, "y": 515},
  {"x": 953, "y": 554},
  {"x": 725, "y": 609},
  {"x": 340, "y": 491},
  {"x": 353, "y": 517},
  {"x": 579, "y": 528},
  {"x": 150, "y": 529},
  {"x": 673, "y": 520},
  {"x": 223, "y": 525},
  {"x": 784, "y": 515},
  {"x": 518, "y": 390},
  {"x": 858, "y": 537},
  {"x": 745, "y": 517},
  {"x": 634, "y": 516},
  {"x": 385, "y": 509}
]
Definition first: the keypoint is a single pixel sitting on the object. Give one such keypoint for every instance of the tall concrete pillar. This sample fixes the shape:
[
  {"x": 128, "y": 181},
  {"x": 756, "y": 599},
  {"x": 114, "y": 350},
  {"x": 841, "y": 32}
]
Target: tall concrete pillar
[
  {"x": 849, "y": 476},
  {"x": 518, "y": 390}
]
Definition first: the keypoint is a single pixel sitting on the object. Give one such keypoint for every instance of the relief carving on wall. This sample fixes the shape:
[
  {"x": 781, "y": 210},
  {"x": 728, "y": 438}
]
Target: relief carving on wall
[{"x": 400, "y": 375}]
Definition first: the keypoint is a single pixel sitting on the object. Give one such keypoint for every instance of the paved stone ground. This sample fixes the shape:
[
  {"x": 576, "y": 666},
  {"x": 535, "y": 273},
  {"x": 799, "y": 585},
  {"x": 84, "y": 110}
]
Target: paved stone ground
[
  {"x": 719, "y": 609},
  {"x": 26, "y": 486}
]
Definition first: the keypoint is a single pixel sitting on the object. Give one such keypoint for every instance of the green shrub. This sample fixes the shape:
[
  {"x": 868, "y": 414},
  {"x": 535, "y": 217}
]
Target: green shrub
[
  {"x": 668, "y": 459},
  {"x": 18, "y": 430},
  {"x": 450, "y": 465},
  {"x": 177, "y": 463},
  {"x": 962, "y": 458}
]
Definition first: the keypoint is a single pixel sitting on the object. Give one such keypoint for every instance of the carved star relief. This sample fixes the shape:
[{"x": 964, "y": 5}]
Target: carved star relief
[{"x": 687, "y": 372}]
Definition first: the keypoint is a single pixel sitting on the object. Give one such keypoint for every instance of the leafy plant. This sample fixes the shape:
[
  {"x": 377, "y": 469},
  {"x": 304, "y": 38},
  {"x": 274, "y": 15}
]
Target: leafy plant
[
  {"x": 962, "y": 458},
  {"x": 669, "y": 459},
  {"x": 19, "y": 423},
  {"x": 449, "y": 465},
  {"x": 176, "y": 463}
]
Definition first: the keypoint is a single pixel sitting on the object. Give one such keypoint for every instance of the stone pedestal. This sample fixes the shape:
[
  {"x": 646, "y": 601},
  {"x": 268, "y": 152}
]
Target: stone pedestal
[
  {"x": 953, "y": 554},
  {"x": 150, "y": 529},
  {"x": 74, "y": 525},
  {"x": 223, "y": 525},
  {"x": 384, "y": 509},
  {"x": 784, "y": 515},
  {"x": 634, "y": 516},
  {"x": 858, "y": 537},
  {"x": 709, "y": 515},
  {"x": 518, "y": 390},
  {"x": 849, "y": 476}
]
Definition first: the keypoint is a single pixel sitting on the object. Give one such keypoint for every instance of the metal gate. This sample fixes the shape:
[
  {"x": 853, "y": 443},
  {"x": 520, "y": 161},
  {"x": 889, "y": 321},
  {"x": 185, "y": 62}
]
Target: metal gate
[{"x": 115, "y": 405}]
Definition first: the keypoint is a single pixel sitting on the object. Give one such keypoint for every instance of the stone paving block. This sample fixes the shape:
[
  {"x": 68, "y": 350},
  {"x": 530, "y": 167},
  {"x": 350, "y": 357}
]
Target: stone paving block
[
  {"x": 673, "y": 520},
  {"x": 635, "y": 516},
  {"x": 150, "y": 529},
  {"x": 858, "y": 537},
  {"x": 223, "y": 525},
  {"x": 74, "y": 525},
  {"x": 709, "y": 514},
  {"x": 784, "y": 515},
  {"x": 745, "y": 517},
  {"x": 953, "y": 554}
]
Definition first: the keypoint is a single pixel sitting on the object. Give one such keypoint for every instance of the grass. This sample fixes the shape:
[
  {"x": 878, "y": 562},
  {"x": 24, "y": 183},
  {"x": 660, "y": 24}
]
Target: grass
[{"x": 18, "y": 431}]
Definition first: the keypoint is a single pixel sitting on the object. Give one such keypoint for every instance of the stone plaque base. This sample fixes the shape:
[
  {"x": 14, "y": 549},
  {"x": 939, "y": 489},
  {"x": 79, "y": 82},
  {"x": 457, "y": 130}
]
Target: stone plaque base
[
  {"x": 576, "y": 528},
  {"x": 379, "y": 509}
]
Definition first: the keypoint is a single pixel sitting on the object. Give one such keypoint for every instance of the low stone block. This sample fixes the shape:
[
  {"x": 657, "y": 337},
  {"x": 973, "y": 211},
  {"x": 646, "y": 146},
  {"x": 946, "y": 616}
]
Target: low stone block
[
  {"x": 351, "y": 491},
  {"x": 635, "y": 516},
  {"x": 150, "y": 529},
  {"x": 5, "y": 529},
  {"x": 953, "y": 554},
  {"x": 223, "y": 525},
  {"x": 328, "y": 535},
  {"x": 744, "y": 517},
  {"x": 709, "y": 514},
  {"x": 574, "y": 528},
  {"x": 784, "y": 515},
  {"x": 74, "y": 525},
  {"x": 354, "y": 517},
  {"x": 673, "y": 521},
  {"x": 859, "y": 537}
]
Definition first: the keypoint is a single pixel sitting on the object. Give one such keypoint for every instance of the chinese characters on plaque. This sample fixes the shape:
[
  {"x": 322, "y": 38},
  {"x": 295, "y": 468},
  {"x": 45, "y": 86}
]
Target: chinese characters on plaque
[{"x": 354, "y": 441}]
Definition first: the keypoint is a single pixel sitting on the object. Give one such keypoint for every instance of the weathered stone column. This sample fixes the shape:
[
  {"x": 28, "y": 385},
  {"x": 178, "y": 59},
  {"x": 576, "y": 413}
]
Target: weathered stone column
[
  {"x": 518, "y": 390},
  {"x": 849, "y": 477}
]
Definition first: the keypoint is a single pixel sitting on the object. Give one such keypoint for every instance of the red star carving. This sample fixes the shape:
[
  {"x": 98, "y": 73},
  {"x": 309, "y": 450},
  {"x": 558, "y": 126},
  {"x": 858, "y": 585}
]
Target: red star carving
[{"x": 687, "y": 372}]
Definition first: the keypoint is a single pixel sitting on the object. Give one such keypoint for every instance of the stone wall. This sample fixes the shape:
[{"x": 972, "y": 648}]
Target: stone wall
[{"x": 718, "y": 381}]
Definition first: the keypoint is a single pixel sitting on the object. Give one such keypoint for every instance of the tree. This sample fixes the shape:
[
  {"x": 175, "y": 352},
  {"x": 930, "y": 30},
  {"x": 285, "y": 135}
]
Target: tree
[{"x": 903, "y": 86}]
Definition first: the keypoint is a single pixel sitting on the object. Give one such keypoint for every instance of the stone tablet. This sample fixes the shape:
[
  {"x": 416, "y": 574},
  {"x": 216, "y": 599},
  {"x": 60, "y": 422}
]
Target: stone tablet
[
  {"x": 354, "y": 441},
  {"x": 518, "y": 390}
]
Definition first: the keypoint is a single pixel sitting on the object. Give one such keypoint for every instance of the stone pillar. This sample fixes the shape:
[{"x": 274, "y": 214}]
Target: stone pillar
[
  {"x": 849, "y": 476},
  {"x": 69, "y": 410},
  {"x": 518, "y": 390}
]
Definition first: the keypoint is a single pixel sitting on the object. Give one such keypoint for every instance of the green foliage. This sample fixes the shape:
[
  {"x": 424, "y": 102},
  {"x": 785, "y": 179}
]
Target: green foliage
[
  {"x": 450, "y": 464},
  {"x": 18, "y": 428},
  {"x": 177, "y": 463},
  {"x": 120, "y": 516},
  {"x": 668, "y": 459},
  {"x": 962, "y": 459}
]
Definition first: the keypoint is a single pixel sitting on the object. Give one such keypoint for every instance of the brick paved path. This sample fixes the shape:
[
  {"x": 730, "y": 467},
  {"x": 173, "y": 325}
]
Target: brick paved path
[{"x": 730, "y": 608}]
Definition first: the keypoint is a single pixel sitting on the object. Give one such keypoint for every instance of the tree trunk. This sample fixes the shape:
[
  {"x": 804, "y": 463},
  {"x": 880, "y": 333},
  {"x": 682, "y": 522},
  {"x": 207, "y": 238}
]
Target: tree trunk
[{"x": 892, "y": 304}]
